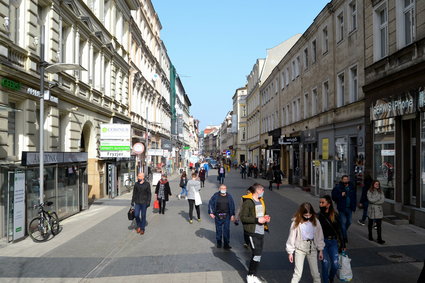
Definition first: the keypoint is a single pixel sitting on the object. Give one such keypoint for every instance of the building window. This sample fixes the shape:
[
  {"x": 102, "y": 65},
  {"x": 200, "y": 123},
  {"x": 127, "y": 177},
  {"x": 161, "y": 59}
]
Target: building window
[
  {"x": 405, "y": 22},
  {"x": 340, "y": 90},
  {"x": 314, "y": 102},
  {"x": 313, "y": 51},
  {"x": 380, "y": 36},
  {"x": 325, "y": 41},
  {"x": 305, "y": 58},
  {"x": 14, "y": 22},
  {"x": 423, "y": 159},
  {"x": 353, "y": 16},
  {"x": 353, "y": 84},
  {"x": 282, "y": 82},
  {"x": 298, "y": 66},
  {"x": 11, "y": 131},
  {"x": 283, "y": 117},
  {"x": 287, "y": 76},
  {"x": 384, "y": 155},
  {"x": 293, "y": 70},
  {"x": 340, "y": 27},
  {"x": 325, "y": 96},
  {"x": 294, "y": 111},
  {"x": 298, "y": 109},
  {"x": 306, "y": 104},
  {"x": 276, "y": 85},
  {"x": 287, "y": 115}
]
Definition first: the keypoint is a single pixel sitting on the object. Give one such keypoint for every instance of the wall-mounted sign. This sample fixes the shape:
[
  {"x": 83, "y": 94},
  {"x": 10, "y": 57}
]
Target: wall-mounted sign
[
  {"x": 155, "y": 152},
  {"x": 388, "y": 152},
  {"x": 325, "y": 149},
  {"x": 385, "y": 108},
  {"x": 33, "y": 157},
  {"x": 289, "y": 140},
  {"x": 19, "y": 206},
  {"x": 7, "y": 83}
]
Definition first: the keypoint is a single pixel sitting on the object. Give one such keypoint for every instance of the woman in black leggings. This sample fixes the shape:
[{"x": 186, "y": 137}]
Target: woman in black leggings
[{"x": 193, "y": 188}]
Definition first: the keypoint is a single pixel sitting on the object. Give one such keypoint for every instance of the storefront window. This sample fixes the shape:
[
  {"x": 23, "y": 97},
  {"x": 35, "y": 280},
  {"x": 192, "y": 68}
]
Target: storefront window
[
  {"x": 423, "y": 159},
  {"x": 384, "y": 155},
  {"x": 33, "y": 189},
  {"x": 68, "y": 202},
  {"x": 341, "y": 154}
]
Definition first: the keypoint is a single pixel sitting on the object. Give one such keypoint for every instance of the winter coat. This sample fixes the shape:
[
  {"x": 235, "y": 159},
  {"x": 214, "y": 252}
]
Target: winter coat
[
  {"x": 366, "y": 186},
  {"x": 167, "y": 189},
  {"x": 201, "y": 175},
  {"x": 341, "y": 200},
  {"x": 183, "y": 182},
  {"x": 376, "y": 199},
  {"x": 269, "y": 175},
  {"x": 278, "y": 174},
  {"x": 295, "y": 238},
  {"x": 212, "y": 205},
  {"x": 193, "y": 186},
  {"x": 248, "y": 215},
  {"x": 221, "y": 174},
  {"x": 142, "y": 193}
]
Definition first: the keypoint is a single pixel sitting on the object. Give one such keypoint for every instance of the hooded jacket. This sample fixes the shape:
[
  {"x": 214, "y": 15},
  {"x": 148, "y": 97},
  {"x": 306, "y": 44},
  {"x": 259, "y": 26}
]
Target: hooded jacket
[{"x": 248, "y": 215}]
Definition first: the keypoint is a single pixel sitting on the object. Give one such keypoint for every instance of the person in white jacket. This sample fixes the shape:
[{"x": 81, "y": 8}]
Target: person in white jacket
[{"x": 305, "y": 239}]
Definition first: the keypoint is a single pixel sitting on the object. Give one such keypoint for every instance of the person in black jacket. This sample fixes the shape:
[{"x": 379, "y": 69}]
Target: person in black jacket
[
  {"x": 141, "y": 201},
  {"x": 162, "y": 191},
  {"x": 345, "y": 196},
  {"x": 334, "y": 241},
  {"x": 367, "y": 183}
]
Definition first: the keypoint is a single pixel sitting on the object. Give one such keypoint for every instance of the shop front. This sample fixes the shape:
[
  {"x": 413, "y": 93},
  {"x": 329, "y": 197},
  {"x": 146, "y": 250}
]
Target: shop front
[
  {"x": 397, "y": 136},
  {"x": 292, "y": 158},
  {"x": 309, "y": 142},
  {"x": 65, "y": 184}
]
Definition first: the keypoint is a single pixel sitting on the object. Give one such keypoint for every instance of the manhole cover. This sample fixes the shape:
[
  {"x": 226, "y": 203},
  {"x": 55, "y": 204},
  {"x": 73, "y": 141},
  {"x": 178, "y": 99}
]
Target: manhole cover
[{"x": 396, "y": 257}]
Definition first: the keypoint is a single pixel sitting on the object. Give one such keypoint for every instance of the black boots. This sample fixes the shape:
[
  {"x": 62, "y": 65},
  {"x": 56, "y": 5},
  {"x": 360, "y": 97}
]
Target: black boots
[{"x": 379, "y": 230}]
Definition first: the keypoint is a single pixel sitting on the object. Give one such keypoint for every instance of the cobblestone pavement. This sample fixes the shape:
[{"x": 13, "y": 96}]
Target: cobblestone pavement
[{"x": 100, "y": 245}]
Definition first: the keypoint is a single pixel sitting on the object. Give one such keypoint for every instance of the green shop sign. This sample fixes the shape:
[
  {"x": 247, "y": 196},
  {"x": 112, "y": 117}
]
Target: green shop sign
[
  {"x": 186, "y": 147},
  {"x": 10, "y": 84},
  {"x": 114, "y": 148}
]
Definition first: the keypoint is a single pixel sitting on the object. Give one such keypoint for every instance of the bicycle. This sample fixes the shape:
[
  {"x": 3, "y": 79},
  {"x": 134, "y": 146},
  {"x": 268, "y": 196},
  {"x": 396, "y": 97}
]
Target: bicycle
[
  {"x": 129, "y": 183},
  {"x": 44, "y": 224}
]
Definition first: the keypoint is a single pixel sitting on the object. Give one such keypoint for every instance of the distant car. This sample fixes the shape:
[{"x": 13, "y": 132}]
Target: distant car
[{"x": 213, "y": 164}]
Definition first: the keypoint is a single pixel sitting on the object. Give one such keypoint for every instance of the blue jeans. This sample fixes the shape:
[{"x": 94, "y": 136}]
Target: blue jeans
[
  {"x": 365, "y": 206},
  {"x": 184, "y": 191},
  {"x": 345, "y": 220},
  {"x": 221, "y": 178},
  {"x": 330, "y": 260},
  {"x": 140, "y": 208},
  {"x": 222, "y": 230}
]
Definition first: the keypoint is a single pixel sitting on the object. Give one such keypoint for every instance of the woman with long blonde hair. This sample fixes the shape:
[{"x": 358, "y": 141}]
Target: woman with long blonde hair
[{"x": 305, "y": 240}]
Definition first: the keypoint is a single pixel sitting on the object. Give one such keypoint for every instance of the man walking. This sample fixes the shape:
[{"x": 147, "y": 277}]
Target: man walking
[
  {"x": 221, "y": 208},
  {"x": 221, "y": 173},
  {"x": 141, "y": 201},
  {"x": 345, "y": 197}
]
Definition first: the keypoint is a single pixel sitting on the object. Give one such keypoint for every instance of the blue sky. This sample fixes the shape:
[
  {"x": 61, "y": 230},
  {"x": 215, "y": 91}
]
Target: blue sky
[{"x": 214, "y": 44}]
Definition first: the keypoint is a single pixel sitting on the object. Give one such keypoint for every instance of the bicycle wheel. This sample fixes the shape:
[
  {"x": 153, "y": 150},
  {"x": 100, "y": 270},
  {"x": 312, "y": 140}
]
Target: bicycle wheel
[
  {"x": 129, "y": 184},
  {"x": 54, "y": 223},
  {"x": 38, "y": 230}
]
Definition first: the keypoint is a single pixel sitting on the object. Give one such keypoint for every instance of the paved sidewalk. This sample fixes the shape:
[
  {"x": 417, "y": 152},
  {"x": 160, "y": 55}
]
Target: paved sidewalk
[{"x": 100, "y": 245}]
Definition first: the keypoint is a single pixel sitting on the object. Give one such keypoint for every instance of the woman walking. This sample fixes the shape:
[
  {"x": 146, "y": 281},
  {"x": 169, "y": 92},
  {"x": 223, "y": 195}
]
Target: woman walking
[
  {"x": 333, "y": 238},
  {"x": 254, "y": 218},
  {"x": 201, "y": 176},
  {"x": 305, "y": 239},
  {"x": 278, "y": 176},
  {"x": 183, "y": 185},
  {"x": 194, "y": 186},
  {"x": 376, "y": 198},
  {"x": 270, "y": 177},
  {"x": 162, "y": 191}
]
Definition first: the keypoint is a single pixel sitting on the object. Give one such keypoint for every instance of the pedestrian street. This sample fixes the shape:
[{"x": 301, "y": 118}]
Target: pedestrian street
[{"x": 100, "y": 245}]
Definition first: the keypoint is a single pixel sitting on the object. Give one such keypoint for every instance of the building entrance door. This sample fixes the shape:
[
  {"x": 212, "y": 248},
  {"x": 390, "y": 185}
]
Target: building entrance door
[{"x": 409, "y": 161}]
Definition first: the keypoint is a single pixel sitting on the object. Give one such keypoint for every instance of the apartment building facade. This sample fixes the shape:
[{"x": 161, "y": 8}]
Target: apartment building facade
[
  {"x": 394, "y": 112},
  {"x": 239, "y": 150}
]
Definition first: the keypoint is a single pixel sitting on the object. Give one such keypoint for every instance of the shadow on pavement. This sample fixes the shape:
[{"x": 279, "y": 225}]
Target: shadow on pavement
[
  {"x": 207, "y": 234},
  {"x": 231, "y": 259},
  {"x": 184, "y": 214}
]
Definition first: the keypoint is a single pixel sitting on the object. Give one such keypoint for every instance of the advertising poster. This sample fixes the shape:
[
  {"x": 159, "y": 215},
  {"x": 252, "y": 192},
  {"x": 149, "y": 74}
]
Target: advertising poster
[{"x": 19, "y": 206}]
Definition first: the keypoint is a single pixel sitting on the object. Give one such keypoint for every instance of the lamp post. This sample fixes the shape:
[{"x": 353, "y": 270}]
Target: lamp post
[{"x": 48, "y": 68}]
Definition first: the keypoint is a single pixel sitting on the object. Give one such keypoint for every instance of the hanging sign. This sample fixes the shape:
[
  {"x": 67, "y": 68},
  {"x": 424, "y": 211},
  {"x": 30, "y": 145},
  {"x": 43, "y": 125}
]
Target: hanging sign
[{"x": 386, "y": 108}]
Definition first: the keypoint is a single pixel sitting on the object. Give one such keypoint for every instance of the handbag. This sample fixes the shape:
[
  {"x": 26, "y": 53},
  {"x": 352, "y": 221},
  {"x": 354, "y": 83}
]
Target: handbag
[
  {"x": 345, "y": 274},
  {"x": 198, "y": 200},
  {"x": 156, "y": 204},
  {"x": 130, "y": 214}
]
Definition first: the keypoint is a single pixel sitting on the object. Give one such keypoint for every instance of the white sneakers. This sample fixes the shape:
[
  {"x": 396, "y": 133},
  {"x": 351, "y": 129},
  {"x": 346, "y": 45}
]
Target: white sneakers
[{"x": 252, "y": 279}]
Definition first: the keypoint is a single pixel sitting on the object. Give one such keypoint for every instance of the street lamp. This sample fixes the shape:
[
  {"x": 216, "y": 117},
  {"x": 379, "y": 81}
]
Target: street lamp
[{"x": 48, "y": 68}]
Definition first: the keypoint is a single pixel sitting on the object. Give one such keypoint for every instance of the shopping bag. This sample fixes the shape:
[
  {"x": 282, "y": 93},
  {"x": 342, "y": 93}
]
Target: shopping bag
[
  {"x": 198, "y": 200},
  {"x": 345, "y": 274},
  {"x": 130, "y": 214},
  {"x": 156, "y": 204}
]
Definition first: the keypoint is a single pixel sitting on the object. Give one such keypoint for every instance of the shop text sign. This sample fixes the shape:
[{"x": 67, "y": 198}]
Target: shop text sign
[
  {"x": 391, "y": 108},
  {"x": 289, "y": 140},
  {"x": 115, "y": 140},
  {"x": 19, "y": 206}
]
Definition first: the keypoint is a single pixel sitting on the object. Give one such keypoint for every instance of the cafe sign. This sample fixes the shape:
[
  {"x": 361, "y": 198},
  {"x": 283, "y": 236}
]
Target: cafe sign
[{"x": 386, "y": 108}]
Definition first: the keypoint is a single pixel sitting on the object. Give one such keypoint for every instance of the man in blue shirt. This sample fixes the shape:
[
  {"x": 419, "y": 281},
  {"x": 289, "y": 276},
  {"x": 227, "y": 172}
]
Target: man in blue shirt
[{"x": 345, "y": 196}]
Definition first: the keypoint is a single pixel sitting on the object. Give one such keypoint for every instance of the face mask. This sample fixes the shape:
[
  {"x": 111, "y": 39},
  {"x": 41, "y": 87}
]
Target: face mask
[
  {"x": 223, "y": 192},
  {"x": 345, "y": 183},
  {"x": 260, "y": 195},
  {"x": 306, "y": 219},
  {"x": 323, "y": 209},
  {"x": 139, "y": 180}
]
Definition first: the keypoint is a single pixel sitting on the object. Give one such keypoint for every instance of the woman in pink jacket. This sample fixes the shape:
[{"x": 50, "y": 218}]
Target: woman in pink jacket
[{"x": 305, "y": 240}]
